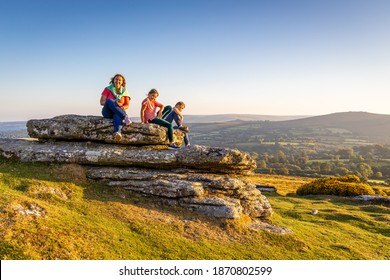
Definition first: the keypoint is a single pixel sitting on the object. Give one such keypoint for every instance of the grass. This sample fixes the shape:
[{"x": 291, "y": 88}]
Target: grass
[{"x": 78, "y": 219}]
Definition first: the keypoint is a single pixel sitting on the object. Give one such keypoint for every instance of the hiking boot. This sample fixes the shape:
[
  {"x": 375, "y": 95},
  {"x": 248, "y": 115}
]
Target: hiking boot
[
  {"x": 173, "y": 147},
  {"x": 117, "y": 136},
  {"x": 127, "y": 121},
  {"x": 184, "y": 128}
]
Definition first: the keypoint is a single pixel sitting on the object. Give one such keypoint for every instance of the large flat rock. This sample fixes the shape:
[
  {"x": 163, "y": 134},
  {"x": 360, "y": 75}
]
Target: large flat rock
[
  {"x": 219, "y": 160},
  {"x": 95, "y": 128}
]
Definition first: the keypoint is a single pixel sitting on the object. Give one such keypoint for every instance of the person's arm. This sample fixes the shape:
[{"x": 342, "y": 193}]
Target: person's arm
[
  {"x": 124, "y": 102},
  {"x": 178, "y": 113},
  {"x": 143, "y": 108},
  {"x": 104, "y": 96},
  {"x": 161, "y": 106},
  {"x": 159, "y": 113},
  {"x": 103, "y": 99}
]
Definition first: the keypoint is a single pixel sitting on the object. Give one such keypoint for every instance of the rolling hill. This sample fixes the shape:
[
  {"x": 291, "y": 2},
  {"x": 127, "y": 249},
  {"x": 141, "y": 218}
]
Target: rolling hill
[
  {"x": 376, "y": 127},
  {"x": 333, "y": 131},
  {"x": 232, "y": 117}
]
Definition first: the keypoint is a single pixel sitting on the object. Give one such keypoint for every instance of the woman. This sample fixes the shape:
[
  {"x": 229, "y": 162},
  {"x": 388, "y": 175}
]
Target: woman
[
  {"x": 115, "y": 100},
  {"x": 149, "y": 114}
]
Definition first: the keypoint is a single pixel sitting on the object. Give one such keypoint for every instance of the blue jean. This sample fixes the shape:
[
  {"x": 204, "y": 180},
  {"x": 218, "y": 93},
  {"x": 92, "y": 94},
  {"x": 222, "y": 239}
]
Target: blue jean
[
  {"x": 112, "y": 110},
  {"x": 170, "y": 115}
]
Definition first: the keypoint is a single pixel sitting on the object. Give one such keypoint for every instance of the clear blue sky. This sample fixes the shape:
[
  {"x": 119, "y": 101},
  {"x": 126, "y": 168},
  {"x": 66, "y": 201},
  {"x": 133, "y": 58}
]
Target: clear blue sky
[{"x": 268, "y": 57}]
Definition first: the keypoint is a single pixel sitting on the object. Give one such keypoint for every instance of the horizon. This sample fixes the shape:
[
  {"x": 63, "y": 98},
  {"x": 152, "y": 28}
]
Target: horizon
[
  {"x": 289, "y": 117},
  {"x": 279, "y": 58}
]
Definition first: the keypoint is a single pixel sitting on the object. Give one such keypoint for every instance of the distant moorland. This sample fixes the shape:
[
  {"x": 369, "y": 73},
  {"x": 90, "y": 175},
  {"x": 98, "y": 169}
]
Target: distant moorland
[
  {"x": 336, "y": 144},
  {"x": 349, "y": 125}
]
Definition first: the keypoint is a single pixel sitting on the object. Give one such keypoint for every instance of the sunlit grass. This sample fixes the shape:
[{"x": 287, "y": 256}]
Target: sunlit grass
[{"x": 80, "y": 219}]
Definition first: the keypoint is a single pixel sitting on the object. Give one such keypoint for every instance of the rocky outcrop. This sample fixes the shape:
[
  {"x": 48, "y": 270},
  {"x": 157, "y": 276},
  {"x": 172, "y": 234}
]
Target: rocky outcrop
[
  {"x": 219, "y": 160},
  {"x": 208, "y": 180},
  {"x": 94, "y": 128},
  {"x": 210, "y": 194}
]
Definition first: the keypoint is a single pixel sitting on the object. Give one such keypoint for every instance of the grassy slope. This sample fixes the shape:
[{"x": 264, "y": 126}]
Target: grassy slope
[{"x": 85, "y": 220}]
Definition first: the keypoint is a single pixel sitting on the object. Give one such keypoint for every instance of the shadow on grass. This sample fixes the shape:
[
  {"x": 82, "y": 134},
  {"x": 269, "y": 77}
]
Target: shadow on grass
[
  {"x": 26, "y": 175},
  {"x": 12, "y": 252}
]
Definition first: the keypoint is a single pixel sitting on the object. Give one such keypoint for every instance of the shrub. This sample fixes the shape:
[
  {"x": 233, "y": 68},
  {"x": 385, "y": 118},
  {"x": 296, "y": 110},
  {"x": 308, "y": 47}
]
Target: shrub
[
  {"x": 348, "y": 179},
  {"x": 381, "y": 191},
  {"x": 341, "y": 186}
]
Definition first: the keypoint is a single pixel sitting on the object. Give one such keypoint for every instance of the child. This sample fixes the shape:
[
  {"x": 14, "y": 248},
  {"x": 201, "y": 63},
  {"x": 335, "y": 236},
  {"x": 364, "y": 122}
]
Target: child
[
  {"x": 174, "y": 114},
  {"x": 149, "y": 114}
]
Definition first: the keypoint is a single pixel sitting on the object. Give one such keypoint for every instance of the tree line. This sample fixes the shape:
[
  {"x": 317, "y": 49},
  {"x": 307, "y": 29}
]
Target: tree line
[{"x": 366, "y": 162}]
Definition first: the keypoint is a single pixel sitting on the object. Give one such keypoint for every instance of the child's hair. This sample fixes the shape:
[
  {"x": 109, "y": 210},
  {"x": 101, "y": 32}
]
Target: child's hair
[
  {"x": 181, "y": 103},
  {"x": 153, "y": 90},
  {"x": 123, "y": 77}
]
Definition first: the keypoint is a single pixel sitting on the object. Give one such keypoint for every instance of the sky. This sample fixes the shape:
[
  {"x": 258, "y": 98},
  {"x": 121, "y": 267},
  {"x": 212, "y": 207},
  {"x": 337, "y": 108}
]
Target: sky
[{"x": 267, "y": 57}]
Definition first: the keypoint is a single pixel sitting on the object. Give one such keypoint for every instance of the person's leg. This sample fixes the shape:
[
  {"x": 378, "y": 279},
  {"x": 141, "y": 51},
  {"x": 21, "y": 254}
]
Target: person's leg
[
  {"x": 176, "y": 117},
  {"x": 106, "y": 112},
  {"x": 117, "y": 123},
  {"x": 173, "y": 116},
  {"x": 115, "y": 108},
  {"x": 169, "y": 117},
  {"x": 166, "y": 111},
  {"x": 166, "y": 124},
  {"x": 116, "y": 112},
  {"x": 186, "y": 139}
]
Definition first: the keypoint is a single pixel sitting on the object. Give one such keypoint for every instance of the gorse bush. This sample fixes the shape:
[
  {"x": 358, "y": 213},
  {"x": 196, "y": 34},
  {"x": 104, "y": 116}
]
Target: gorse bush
[
  {"x": 381, "y": 192},
  {"x": 341, "y": 186},
  {"x": 347, "y": 179}
]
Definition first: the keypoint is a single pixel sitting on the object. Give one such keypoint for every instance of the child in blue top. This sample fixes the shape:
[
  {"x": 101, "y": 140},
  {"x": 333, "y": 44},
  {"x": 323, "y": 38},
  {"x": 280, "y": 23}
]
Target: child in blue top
[{"x": 174, "y": 114}]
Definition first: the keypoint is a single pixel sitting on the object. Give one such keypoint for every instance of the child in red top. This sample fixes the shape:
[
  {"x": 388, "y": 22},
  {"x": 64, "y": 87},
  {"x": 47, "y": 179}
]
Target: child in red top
[{"x": 149, "y": 114}]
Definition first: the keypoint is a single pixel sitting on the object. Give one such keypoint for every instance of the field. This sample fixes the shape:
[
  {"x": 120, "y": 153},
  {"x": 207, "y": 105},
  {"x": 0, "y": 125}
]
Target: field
[
  {"x": 324, "y": 146},
  {"x": 52, "y": 211}
]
